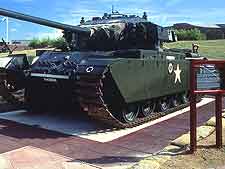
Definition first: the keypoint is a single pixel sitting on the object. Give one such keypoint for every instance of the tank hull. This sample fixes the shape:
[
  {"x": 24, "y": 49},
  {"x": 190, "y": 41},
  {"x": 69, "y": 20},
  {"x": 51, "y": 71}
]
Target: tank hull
[
  {"x": 123, "y": 82},
  {"x": 104, "y": 86}
]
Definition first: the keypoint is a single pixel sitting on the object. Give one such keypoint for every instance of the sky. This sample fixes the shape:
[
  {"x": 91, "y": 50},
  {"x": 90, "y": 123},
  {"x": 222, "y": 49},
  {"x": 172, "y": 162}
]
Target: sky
[{"x": 162, "y": 12}]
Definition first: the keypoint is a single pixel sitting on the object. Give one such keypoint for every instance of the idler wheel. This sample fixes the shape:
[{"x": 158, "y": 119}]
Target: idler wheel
[
  {"x": 147, "y": 108},
  {"x": 184, "y": 98},
  {"x": 130, "y": 113},
  {"x": 163, "y": 105}
]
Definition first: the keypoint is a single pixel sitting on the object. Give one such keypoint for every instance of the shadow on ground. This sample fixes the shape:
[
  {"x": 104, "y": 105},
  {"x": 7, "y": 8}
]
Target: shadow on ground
[
  {"x": 112, "y": 159},
  {"x": 20, "y": 131}
]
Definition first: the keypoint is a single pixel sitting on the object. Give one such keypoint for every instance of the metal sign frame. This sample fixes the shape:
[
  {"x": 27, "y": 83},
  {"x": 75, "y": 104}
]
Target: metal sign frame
[{"x": 218, "y": 104}]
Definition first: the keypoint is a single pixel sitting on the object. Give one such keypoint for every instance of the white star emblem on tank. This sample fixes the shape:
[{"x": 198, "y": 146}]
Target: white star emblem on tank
[{"x": 177, "y": 73}]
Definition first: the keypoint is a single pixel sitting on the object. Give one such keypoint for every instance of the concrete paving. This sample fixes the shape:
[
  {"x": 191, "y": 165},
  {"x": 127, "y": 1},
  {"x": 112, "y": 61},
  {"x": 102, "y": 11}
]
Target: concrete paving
[
  {"x": 121, "y": 151},
  {"x": 35, "y": 158},
  {"x": 82, "y": 126}
]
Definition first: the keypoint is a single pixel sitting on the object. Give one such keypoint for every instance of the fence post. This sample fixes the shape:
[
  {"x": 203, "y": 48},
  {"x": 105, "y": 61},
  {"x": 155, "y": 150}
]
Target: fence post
[
  {"x": 218, "y": 109},
  {"x": 193, "y": 115}
]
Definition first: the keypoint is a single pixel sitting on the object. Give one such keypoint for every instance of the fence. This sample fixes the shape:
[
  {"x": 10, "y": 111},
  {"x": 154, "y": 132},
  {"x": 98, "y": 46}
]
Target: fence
[{"x": 217, "y": 89}]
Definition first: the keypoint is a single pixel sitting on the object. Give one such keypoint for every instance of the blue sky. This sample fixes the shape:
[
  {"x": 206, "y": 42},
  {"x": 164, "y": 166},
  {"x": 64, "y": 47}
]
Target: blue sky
[{"x": 163, "y": 12}]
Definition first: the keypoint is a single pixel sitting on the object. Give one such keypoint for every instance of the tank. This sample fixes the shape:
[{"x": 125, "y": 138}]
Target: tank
[{"x": 114, "y": 69}]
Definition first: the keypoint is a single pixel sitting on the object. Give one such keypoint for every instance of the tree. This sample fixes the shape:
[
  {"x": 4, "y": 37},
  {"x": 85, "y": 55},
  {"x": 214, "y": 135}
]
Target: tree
[
  {"x": 47, "y": 42},
  {"x": 192, "y": 34}
]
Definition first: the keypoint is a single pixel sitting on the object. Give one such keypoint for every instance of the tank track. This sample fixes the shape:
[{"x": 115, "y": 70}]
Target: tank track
[
  {"x": 88, "y": 91},
  {"x": 103, "y": 115},
  {"x": 90, "y": 97}
]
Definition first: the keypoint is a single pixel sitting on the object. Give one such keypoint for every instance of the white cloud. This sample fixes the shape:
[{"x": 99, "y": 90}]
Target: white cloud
[
  {"x": 52, "y": 34},
  {"x": 13, "y": 30},
  {"x": 40, "y": 35},
  {"x": 170, "y": 3},
  {"x": 23, "y": 1},
  {"x": 200, "y": 16}
]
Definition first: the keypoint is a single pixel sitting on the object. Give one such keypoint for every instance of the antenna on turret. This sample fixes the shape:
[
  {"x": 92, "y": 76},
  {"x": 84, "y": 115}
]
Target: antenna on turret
[{"x": 112, "y": 9}]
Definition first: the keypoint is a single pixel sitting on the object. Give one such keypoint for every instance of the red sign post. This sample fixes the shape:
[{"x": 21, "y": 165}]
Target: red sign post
[{"x": 195, "y": 64}]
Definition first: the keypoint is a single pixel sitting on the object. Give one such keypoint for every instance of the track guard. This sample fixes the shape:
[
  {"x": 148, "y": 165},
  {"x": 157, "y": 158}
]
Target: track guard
[{"x": 13, "y": 73}]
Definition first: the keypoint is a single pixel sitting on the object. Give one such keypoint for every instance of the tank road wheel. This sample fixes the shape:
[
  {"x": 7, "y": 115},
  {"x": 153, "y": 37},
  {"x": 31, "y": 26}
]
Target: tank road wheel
[
  {"x": 163, "y": 105},
  {"x": 184, "y": 98},
  {"x": 147, "y": 108},
  {"x": 130, "y": 113},
  {"x": 175, "y": 101}
]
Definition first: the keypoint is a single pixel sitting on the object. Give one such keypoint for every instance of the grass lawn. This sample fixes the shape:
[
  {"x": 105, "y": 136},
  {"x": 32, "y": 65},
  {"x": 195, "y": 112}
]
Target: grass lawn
[
  {"x": 206, "y": 157},
  {"x": 210, "y": 48},
  {"x": 30, "y": 53}
]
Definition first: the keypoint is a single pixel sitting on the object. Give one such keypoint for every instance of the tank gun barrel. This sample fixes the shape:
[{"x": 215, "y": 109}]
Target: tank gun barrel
[{"x": 41, "y": 21}]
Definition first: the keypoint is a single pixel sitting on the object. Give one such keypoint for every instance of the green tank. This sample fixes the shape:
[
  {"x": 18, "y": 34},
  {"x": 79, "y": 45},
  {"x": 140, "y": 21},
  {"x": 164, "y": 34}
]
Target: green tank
[{"x": 113, "y": 68}]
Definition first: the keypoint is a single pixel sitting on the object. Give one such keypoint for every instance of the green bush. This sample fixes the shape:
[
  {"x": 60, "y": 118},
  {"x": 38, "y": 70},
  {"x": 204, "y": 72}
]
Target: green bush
[
  {"x": 35, "y": 43},
  {"x": 47, "y": 42},
  {"x": 58, "y": 43},
  {"x": 192, "y": 34}
]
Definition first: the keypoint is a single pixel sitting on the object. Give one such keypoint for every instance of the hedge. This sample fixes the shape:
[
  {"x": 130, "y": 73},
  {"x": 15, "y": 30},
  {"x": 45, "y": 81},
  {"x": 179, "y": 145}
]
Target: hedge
[
  {"x": 47, "y": 42},
  {"x": 192, "y": 34}
]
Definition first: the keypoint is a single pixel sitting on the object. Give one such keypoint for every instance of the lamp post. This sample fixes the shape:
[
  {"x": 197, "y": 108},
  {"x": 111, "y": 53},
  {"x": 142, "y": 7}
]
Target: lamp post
[
  {"x": 7, "y": 29},
  {"x": 6, "y": 19}
]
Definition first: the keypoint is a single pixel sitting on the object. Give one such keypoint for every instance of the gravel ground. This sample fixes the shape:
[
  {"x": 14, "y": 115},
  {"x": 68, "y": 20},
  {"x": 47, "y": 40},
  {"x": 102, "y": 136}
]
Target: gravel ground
[{"x": 206, "y": 157}]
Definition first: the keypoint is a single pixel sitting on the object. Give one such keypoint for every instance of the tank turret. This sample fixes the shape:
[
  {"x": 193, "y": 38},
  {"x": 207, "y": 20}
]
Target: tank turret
[{"x": 111, "y": 32}]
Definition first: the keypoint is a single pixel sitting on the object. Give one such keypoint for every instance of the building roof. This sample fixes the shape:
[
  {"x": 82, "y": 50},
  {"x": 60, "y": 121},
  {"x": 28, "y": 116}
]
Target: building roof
[
  {"x": 215, "y": 26},
  {"x": 207, "y": 25}
]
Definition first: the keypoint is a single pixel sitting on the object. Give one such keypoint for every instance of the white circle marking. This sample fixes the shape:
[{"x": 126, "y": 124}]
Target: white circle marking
[
  {"x": 170, "y": 68},
  {"x": 89, "y": 69}
]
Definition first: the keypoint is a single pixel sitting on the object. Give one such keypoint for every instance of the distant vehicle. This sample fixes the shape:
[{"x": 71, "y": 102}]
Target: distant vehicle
[{"x": 4, "y": 47}]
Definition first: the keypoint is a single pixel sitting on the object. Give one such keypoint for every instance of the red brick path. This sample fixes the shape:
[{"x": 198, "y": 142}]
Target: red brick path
[{"x": 130, "y": 148}]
